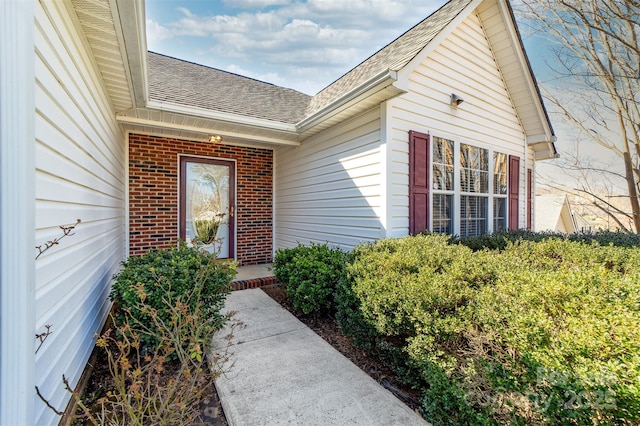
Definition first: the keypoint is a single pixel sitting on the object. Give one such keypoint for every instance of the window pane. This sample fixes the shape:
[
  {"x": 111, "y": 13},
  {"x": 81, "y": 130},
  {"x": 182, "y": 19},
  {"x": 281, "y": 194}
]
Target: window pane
[
  {"x": 499, "y": 214},
  {"x": 473, "y": 216},
  {"x": 442, "y": 164},
  {"x": 442, "y": 177},
  {"x": 474, "y": 169},
  {"x": 442, "y": 221},
  {"x": 499, "y": 173}
]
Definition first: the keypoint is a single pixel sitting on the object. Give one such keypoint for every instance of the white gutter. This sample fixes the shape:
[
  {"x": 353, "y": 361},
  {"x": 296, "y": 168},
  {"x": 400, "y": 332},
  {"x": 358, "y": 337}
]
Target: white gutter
[
  {"x": 134, "y": 121},
  {"x": 368, "y": 88}
]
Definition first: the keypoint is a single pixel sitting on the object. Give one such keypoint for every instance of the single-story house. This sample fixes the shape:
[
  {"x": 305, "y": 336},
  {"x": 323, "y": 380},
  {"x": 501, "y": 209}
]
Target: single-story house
[{"x": 440, "y": 130}]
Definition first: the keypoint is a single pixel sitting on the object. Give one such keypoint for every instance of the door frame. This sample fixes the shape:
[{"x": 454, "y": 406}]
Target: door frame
[{"x": 182, "y": 196}]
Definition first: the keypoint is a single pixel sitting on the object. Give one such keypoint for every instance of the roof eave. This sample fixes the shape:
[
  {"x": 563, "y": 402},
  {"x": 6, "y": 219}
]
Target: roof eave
[
  {"x": 220, "y": 116},
  {"x": 544, "y": 147},
  {"x": 379, "y": 83},
  {"x": 130, "y": 22},
  {"x": 536, "y": 95},
  {"x": 176, "y": 120}
]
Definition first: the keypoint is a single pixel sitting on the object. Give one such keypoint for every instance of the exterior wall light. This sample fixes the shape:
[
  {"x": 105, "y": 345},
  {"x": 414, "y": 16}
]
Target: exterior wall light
[
  {"x": 215, "y": 138},
  {"x": 456, "y": 100}
]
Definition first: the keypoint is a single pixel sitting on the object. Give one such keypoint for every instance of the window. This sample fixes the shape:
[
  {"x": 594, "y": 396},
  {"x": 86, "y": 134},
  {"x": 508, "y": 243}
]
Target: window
[
  {"x": 462, "y": 189},
  {"x": 474, "y": 187},
  {"x": 499, "y": 192},
  {"x": 442, "y": 186}
]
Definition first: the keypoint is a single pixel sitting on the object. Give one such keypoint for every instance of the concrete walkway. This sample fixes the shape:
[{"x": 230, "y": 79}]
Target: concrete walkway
[{"x": 285, "y": 374}]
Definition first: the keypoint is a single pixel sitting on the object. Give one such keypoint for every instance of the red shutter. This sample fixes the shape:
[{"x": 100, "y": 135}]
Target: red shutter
[
  {"x": 529, "y": 199},
  {"x": 418, "y": 182},
  {"x": 514, "y": 191}
]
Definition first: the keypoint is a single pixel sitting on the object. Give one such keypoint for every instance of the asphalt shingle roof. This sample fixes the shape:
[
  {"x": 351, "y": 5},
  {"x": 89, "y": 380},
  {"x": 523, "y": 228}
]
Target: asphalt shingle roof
[
  {"x": 186, "y": 83},
  {"x": 177, "y": 81}
]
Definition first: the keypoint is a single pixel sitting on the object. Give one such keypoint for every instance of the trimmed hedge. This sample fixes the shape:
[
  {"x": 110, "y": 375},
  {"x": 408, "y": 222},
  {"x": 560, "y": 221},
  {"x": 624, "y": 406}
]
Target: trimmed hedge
[
  {"x": 310, "y": 275},
  {"x": 539, "y": 333},
  {"x": 500, "y": 240},
  {"x": 514, "y": 328}
]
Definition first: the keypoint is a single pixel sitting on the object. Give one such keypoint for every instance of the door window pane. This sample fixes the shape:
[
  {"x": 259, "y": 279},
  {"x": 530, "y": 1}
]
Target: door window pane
[{"x": 207, "y": 206}]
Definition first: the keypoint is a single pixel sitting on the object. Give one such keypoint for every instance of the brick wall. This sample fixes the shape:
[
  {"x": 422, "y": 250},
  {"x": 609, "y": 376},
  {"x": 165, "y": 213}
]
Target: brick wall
[{"x": 153, "y": 194}]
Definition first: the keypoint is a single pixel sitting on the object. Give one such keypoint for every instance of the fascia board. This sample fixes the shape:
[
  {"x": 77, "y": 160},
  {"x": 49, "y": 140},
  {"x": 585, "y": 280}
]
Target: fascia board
[
  {"x": 373, "y": 85},
  {"x": 527, "y": 72},
  {"x": 135, "y": 121},
  {"x": 129, "y": 20}
]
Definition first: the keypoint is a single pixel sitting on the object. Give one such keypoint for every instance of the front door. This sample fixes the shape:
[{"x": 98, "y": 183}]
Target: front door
[{"x": 207, "y": 204}]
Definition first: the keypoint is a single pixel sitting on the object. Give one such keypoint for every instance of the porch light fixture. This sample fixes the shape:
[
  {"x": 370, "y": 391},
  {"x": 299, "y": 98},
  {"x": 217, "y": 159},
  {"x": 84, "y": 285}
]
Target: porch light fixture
[
  {"x": 215, "y": 138},
  {"x": 456, "y": 100}
]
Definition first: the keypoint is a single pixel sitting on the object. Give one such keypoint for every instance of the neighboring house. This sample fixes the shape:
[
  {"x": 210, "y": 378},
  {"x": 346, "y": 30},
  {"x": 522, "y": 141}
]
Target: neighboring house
[
  {"x": 440, "y": 130},
  {"x": 553, "y": 213},
  {"x": 584, "y": 224}
]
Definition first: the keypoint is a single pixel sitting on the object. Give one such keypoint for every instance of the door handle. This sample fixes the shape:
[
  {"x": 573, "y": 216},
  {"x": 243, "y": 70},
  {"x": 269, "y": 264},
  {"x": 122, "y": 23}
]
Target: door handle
[{"x": 231, "y": 211}]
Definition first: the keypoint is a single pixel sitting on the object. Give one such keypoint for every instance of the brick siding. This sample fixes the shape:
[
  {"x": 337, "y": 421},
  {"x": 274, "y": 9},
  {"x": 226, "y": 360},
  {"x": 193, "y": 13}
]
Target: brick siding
[{"x": 153, "y": 194}]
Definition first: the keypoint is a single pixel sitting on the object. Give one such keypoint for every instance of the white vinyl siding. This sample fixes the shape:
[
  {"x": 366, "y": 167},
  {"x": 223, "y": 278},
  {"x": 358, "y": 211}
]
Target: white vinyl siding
[
  {"x": 462, "y": 64},
  {"x": 80, "y": 174},
  {"x": 329, "y": 188}
]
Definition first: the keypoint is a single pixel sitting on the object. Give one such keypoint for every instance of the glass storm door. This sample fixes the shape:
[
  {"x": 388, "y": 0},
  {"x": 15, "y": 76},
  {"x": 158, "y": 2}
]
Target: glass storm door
[{"x": 207, "y": 204}]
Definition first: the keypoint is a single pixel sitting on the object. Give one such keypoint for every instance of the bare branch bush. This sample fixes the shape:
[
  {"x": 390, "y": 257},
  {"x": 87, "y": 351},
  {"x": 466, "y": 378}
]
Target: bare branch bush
[
  {"x": 149, "y": 388},
  {"x": 161, "y": 384}
]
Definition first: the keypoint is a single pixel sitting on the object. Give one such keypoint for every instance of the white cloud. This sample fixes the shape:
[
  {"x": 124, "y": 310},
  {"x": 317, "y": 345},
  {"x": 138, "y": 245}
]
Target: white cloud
[
  {"x": 250, "y": 4},
  {"x": 156, "y": 33},
  {"x": 293, "y": 43}
]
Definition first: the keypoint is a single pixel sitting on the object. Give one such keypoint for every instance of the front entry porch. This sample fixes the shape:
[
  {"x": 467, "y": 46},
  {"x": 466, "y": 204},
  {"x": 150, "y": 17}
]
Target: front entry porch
[
  {"x": 161, "y": 194},
  {"x": 254, "y": 276}
]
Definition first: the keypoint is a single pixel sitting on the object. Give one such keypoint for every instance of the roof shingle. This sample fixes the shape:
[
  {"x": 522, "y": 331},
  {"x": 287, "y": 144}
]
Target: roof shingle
[{"x": 186, "y": 83}]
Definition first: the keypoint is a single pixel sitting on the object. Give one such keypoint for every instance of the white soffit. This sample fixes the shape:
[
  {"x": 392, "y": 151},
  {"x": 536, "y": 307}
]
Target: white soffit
[{"x": 97, "y": 23}]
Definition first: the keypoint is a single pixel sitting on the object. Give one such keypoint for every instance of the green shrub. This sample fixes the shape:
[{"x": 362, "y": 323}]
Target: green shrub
[
  {"x": 605, "y": 238},
  {"x": 500, "y": 240},
  {"x": 348, "y": 313},
  {"x": 543, "y": 330},
  {"x": 310, "y": 275},
  {"x": 145, "y": 283}
]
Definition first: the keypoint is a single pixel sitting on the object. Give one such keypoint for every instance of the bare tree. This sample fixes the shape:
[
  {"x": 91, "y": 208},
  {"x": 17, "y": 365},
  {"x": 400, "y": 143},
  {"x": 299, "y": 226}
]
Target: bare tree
[{"x": 597, "y": 69}]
